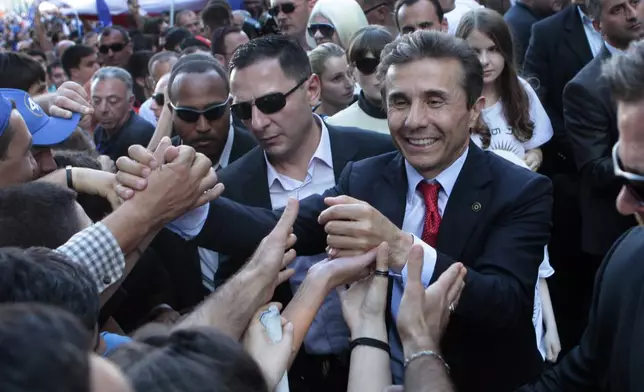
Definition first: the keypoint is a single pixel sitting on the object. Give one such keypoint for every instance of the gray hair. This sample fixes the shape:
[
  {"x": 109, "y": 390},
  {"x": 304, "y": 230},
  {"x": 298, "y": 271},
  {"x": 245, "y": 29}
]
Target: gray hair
[
  {"x": 321, "y": 53},
  {"x": 162, "y": 57},
  {"x": 421, "y": 45},
  {"x": 106, "y": 73},
  {"x": 594, "y": 8},
  {"x": 625, "y": 74}
]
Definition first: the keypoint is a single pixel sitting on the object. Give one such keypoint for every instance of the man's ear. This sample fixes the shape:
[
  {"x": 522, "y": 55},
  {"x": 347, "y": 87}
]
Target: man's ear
[
  {"x": 597, "y": 25},
  {"x": 140, "y": 81},
  {"x": 444, "y": 25},
  {"x": 314, "y": 89},
  {"x": 475, "y": 111}
]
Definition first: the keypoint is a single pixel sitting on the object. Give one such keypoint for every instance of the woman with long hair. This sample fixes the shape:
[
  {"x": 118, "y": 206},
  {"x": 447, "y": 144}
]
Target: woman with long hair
[
  {"x": 516, "y": 121},
  {"x": 329, "y": 63}
]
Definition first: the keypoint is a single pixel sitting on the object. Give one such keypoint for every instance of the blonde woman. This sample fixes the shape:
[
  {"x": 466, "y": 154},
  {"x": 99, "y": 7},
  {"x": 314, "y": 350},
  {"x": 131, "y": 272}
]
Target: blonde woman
[
  {"x": 329, "y": 63},
  {"x": 334, "y": 21}
]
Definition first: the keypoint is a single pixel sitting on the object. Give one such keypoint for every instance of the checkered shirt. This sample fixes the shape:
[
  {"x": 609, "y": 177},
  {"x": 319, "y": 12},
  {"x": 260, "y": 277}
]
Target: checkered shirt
[{"x": 97, "y": 249}]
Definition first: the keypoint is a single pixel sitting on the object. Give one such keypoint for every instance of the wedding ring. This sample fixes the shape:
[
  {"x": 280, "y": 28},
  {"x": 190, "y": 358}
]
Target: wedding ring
[
  {"x": 451, "y": 308},
  {"x": 384, "y": 274}
]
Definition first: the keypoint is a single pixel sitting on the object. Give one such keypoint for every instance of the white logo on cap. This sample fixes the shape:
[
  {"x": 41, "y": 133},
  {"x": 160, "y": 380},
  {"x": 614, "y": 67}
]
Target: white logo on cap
[{"x": 33, "y": 107}]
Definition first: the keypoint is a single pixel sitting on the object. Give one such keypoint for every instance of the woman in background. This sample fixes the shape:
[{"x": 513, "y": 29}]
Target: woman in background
[
  {"x": 335, "y": 21},
  {"x": 329, "y": 63},
  {"x": 516, "y": 121},
  {"x": 363, "y": 57}
]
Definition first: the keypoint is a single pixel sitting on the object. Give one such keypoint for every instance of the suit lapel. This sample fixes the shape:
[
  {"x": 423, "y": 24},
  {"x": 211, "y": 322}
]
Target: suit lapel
[
  {"x": 341, "y": 151},
  {"x": 576, "y": 36},
  {"x": 390, "y": 195},
  {"x": 255, "y": 184},
  {"x": 466, "y": 204}
]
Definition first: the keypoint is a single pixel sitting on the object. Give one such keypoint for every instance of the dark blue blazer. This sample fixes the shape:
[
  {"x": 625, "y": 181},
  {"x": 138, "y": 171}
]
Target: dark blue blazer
[
  {"x": 520, "y": 19},
  {"x": 497, "y": 222}
]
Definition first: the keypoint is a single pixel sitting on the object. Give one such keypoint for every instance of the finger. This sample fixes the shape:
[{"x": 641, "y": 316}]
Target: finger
[
  {"x": 142, "y": 155},
  {"x": 209, "y": 195},
  {"x": 285, "y": 275},
  {"x": 394, "y": 388},
  {"x": 343, "y": 199},
  {"x": 287, "y": 336},
  {"x": 160, "y": 151},
  {"x": 290, "y": 241},
  {"x": 382, "y": 257},
  {"x": 341, "y": 242},
  {"x": 456, "y": 288},
  {"x": 202, "y": 166},
  {"x": 123, "y": 192},
  {"x": 75, "y": 87},
  {"x": 208, "y": 178},
  {"x": 285, "y": 224},
  {"x": 186, "y": 156},
  {"x": 448, "y": 279},
  {"x": 130, "y": 181},
  {"x": 342, "y": 212},
  {"x": 337, "y": 254},
  {"x": 288, "y": 257},
  {"x": 415, "y": 266},
  {"x": 341, "y": 227},
  {"x": 55, "y": 111}
]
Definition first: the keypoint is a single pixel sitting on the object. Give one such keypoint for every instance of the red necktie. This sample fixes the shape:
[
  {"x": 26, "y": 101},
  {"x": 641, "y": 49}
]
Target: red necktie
[{"x": 432, "y": 216}]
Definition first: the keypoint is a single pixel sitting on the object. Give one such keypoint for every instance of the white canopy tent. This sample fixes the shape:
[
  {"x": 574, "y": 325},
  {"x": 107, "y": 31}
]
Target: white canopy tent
[{"x": 117, "y": 7}]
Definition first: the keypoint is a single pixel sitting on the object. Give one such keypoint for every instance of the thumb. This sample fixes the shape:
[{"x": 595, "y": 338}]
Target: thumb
[
  {"x": 343, "y": 199},
  {"x": 415, "y": 265},
  {"x": 285, "y": 224},
  {"x": 159, "y": 153}
]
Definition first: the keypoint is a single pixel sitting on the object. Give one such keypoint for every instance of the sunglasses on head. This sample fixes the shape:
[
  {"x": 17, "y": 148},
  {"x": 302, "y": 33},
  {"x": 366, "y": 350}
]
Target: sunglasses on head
[
  {"x": 286, "y": 8},
  {"x": 268, "y": 104},
  {"x": 116, "y": 47},
  {"x": 159, "y": 99},
  {"x": 211, "y": 113},
  {"x": 632, "y": 181},
  {"x": 326, "y": 29},
  {"x": 367, "y": 65}
]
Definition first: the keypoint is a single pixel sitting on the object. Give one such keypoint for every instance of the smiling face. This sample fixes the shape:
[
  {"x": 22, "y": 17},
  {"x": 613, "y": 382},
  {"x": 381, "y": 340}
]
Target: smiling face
[
  {"x": 427, "y": 112},
  {"x": 489, "y": 55}
]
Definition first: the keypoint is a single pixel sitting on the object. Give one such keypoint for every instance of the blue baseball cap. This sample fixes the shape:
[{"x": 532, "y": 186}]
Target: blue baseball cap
[{"x": 45, "y": 130}]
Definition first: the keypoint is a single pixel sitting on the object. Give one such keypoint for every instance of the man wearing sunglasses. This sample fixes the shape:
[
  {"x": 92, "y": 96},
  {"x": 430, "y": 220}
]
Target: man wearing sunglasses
[
  {"x": 159, "y": 65},
  {"x": 114, "y": 47},
  {"x": 292, "y": 18}
]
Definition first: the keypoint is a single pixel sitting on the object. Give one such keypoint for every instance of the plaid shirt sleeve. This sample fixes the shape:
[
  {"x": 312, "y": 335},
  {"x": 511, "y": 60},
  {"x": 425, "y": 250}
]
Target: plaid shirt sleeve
[{"x": 97, "y": 249}]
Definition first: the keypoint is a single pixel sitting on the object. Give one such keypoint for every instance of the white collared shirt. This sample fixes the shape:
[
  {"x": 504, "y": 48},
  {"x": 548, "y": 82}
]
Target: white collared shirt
[
  {"x": 593, "y": 36},
  {"x": 613, "y": 50}
]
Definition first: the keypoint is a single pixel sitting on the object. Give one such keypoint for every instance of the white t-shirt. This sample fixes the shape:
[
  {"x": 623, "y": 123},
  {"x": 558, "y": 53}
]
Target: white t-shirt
[
  {"x": 461, "y": 7},
  {"x": 501, "y": 133}
]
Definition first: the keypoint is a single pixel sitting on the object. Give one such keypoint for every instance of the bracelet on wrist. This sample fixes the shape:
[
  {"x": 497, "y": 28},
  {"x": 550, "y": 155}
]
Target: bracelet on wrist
[
  {"x": 426, "y": 353},
  {"x": 371, "y": 343}
]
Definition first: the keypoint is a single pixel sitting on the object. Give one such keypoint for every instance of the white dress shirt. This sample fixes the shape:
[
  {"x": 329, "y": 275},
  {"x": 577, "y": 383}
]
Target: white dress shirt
[
  {"x": 146, "y": 113},
  {"x": 594, "y": 37}
]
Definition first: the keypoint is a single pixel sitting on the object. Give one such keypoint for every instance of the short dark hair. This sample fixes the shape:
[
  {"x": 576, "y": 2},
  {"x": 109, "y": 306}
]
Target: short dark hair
[
  {"x": 216, "y": 14},
  {"x": 37, "y": 53},
  {"x": 400, "y": 3},
  {"x": 37, "y": 214},
  {"x": 44, "y": 349},
  {"x": 291, "y": 56},
  {"x": 96, "y": 207},
  {"x": 425, "y": 44},
  {"x": 368, "y": 40},
  {"x": 625, "y": 74},
  {"x": 7, "y": 137},
  {"x": 175, "y": 36},
  {"x": 72, "y": 57},
  {"x": 115, "y": 29},
  {"x": 20, "y": 71},
  {"x": 162, "y": 57},
  {"x": 138, "y": 64},
  {"x": 190, "y": 360},
  {"x": 218, "y": 41},
  {"x": 196, "y": 63},
  {"x": 152, "y": 26},
  {"x": 47, "y": 276},
  {"x": 192, "y": 42}
]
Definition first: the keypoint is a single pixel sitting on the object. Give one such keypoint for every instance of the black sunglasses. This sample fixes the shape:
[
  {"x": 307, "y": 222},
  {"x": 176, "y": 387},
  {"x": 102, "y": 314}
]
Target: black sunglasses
[
  {"x": 211, "y": 113},
  {"x": 633, "y": 182},
  {"x": 367, "y": 65},
  {"x": 268, "y": 104},
  {"x": 326, "y": 29},
  {"x": 286, "y": 8},
  {"x": 116, "y": 47},
  {"x": 159, "y": 99}
]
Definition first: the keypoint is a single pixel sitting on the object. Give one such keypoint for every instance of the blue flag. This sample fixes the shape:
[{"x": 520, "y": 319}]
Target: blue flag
[
  {"x": 31, "y": 14},
  {"x": 103, "y": 13}
]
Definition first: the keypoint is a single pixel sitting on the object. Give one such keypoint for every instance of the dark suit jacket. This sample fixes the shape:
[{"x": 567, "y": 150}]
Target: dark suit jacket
[
  {"x": 180, "y": 257},
  {"x": 610, "y": 357},
  {"x": 591, "y": 122},
  {"x": 490, "y": 339},
  {"x": 134, "y": 131},
  {"x": 520, "y": 19},
  {"x": 558, "y": 50}
]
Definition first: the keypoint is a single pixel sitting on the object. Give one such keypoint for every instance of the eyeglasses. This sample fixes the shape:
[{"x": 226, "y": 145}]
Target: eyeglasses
[
  {"x": 115, "y": 47},
  {"x": 633, "y": 182},
  {"x": 286, "y": 8},
  {"x": 368, "y": 65},
  {"x": 375, "y": 7},
  {"x": 326, "y": 29},
  {"x": 268, "y": 104},
  {"x": 211, "y": 113},
  {"x": 159, "y": 99}
]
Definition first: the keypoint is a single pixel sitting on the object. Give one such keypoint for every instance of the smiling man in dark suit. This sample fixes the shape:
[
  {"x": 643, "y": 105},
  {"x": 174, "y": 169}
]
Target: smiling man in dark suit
[{"x": 439, "y": 190}]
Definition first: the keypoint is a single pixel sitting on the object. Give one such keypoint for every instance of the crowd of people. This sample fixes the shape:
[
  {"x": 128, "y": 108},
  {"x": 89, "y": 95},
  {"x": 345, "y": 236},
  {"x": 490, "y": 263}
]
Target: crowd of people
[{"x": 434, "y": 195}]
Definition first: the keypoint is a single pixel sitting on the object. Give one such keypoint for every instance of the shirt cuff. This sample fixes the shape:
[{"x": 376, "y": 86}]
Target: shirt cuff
[
  {"x": 429, "y": 263},
  {"x": 189, "y": 225}
]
